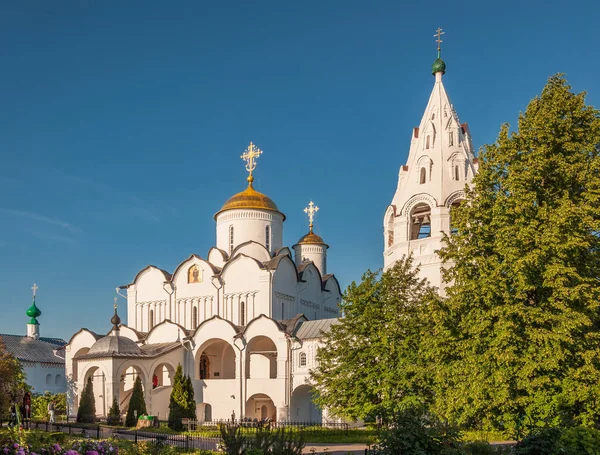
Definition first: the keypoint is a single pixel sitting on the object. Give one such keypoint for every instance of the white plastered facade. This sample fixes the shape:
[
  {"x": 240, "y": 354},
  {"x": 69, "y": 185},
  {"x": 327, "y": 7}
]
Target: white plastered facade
[
  {"x": 440, "y": 165},
  {"x": 229, "y": 320}
]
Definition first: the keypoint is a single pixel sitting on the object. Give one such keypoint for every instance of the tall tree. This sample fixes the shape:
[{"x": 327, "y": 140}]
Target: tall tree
[
  {"x": 137, "y": 404},
  {"x": 12, "y": 382},
  {"x": 191, "y": 401},
  {"x": 371, "y": 362},
  {"x": 86, "y": 413},
  {"x": 179, "y": 402},
  {"x": 519, "y": 333}
]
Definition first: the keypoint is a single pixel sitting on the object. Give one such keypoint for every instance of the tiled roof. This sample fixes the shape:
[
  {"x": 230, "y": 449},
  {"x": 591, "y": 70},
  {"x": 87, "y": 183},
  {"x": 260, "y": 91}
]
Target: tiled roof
[
  {"x": 147, "y": 351},
  {"x": 33, "y": 350},
  {"x": 290, "y": 324},
  {"x": 314, "y": 329}
]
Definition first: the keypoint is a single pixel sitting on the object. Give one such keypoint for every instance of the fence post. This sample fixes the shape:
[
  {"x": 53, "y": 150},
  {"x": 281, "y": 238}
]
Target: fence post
[
  {"x": 187, "y": 443},
  {"x": 69, "y": 428},
  {"x": 135, "y": 439},
  {"x": 98, "y": 432},
  {"x": 46, "y": 426}
]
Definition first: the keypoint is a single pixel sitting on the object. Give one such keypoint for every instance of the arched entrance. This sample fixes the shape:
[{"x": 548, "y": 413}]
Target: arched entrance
[
  {"x": 261, "y": 358},
  {"x": 162, "y": 375},
  {"x": 260, "y": 407},
  {"x": 127, "y": 381},
  {"x": 302, "y": 407},
  {"x": 215, "y": 359},
  {"x": 99, "y": 388}
]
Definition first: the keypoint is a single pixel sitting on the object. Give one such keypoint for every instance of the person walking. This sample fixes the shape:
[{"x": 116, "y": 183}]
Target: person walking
[
  {"x": 13, "y": 416},
  {"x": 51, "y": 411}
]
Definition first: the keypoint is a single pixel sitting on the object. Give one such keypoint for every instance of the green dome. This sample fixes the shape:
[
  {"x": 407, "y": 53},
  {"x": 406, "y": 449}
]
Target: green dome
[
  {"x": 33, "y": 312},
  {"x": 438, "y": 66}
]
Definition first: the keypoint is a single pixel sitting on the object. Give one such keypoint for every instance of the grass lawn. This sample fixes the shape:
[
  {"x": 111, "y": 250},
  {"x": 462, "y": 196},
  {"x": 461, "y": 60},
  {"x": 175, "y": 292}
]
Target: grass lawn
[{"x": 311, "y": 434}]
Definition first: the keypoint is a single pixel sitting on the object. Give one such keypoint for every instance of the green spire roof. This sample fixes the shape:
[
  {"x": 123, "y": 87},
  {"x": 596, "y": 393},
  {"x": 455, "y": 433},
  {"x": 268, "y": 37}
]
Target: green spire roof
[{"x": 33, "y": 312}]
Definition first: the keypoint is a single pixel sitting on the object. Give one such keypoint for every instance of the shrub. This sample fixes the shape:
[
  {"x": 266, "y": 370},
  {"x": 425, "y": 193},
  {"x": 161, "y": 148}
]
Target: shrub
[
  {"x": 542, "y": 441},
  {"x": 415, "y": 432},
  {"x": 114, "y": 414},
  {"x": 580, "y": 441}
]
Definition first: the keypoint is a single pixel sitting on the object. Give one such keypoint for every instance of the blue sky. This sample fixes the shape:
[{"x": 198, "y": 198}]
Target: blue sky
[{"x": 122, "y": 123}]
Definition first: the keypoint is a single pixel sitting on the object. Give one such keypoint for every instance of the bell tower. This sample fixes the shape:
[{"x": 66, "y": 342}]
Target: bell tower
[{"x": 440, "y": 163}]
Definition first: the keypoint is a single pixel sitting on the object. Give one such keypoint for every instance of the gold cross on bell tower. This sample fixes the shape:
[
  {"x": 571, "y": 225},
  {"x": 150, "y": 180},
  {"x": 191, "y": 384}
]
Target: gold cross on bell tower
[
  {"x": 310, "y": 211},
  {"x": 34, "y": 288},
  {"x": 115, "y": 305},
  {"x": 249, "y": 156},
  {"x": 438, "y": 36}
]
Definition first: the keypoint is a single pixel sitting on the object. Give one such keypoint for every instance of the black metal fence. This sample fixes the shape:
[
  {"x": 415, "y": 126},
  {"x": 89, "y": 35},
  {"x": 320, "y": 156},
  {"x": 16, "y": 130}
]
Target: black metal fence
[
  {"x": 306, "y": 428},
  {"x": 183, "y": 442},
  {"x": 88, "y": 431},
  {"x": 186, "y": 443}
]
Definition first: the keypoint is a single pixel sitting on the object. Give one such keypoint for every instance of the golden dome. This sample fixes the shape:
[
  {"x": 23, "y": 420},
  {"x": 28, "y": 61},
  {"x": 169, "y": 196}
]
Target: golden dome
[
  {"x": 250, "y": 199},
  {"x": 311, "y": 239}
]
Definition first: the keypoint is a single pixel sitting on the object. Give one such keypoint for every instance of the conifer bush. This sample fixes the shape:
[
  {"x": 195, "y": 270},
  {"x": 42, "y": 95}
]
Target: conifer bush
[
  {"x": 87, "y": 407},
  {"x": 136, "y": 403},
  {"x": 181, "y": 403},
  {"x": 114, "y": 414}
]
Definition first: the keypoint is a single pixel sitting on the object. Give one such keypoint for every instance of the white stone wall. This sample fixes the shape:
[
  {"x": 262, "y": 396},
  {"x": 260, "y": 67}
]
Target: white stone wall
[
  {"x": 314, "y": 253},
  {"x": 249, "y": 225},
  {"x": 45, "y": 377}
]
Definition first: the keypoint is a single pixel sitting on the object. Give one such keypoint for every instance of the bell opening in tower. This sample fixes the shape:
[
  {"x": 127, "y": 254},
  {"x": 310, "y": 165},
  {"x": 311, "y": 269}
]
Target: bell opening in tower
[{"x": 420, "y": 222}]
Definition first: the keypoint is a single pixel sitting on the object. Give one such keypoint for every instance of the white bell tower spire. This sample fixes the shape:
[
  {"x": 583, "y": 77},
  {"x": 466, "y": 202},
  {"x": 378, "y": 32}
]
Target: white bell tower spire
[{"x": 440, "y": 163}]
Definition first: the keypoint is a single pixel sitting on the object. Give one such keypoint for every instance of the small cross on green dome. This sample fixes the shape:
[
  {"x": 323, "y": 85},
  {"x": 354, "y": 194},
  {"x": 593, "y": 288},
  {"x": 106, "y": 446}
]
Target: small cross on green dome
[{"x": 33, "y": 311}]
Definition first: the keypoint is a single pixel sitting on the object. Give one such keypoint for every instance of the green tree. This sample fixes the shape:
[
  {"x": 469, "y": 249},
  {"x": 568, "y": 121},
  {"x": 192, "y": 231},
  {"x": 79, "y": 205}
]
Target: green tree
[
  {"x": 12, "y": 384},
  {"x": 39, "y": 405},
  {"x": 191, "y": 401},
  {"x": 181, "y": 403},
  {"x": 372, "y": 363},
  {"x": 136, "y": 403},
  {"x": 114, "y": 413},
  {"x": 87, "y": 405},
  {"x": 177, "y": 400},
  {"x": 519, "y": 332}
]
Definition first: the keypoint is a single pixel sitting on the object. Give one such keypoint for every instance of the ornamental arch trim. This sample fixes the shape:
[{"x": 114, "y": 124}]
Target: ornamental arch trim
[
  {"x": 422, "y": 198},
  {"x": 454, "y": 197}
]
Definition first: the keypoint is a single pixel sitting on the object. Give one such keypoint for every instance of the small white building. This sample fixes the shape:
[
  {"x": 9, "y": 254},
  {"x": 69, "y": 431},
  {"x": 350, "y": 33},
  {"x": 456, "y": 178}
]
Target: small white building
[
  {"x": 440, "y": 164},
  {"x": 242, "y": 322},
  {"x": 42, "y": 358}
]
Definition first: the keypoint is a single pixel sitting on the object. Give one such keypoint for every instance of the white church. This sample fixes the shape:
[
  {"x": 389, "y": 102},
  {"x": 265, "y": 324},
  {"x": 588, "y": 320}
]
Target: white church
[{"x": 246, "y": 321}]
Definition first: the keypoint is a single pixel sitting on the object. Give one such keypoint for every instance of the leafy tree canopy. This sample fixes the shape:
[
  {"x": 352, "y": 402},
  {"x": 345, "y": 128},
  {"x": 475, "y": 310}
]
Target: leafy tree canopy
[
  {"x": 12, "y": 383},
  {"x": 371, "y": 362},
  {"x": 519, "y": 333}
]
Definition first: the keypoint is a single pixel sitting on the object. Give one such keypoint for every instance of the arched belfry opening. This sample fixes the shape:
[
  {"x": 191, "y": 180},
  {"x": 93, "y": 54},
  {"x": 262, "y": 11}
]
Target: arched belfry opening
[
  {"x": 420, "y": 222},
  {"x": 389, "y": 228}
]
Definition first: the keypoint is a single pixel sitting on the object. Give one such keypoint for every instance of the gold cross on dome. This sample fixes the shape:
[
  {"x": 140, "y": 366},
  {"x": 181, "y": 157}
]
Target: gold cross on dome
[
  {"x": 310, "y": 211},
  {"x": 438, "y": 35},
  {"x": 34, "y": 288},
  {"x": 249, "y": 156},
  {"x": 115, "y": 305}
]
